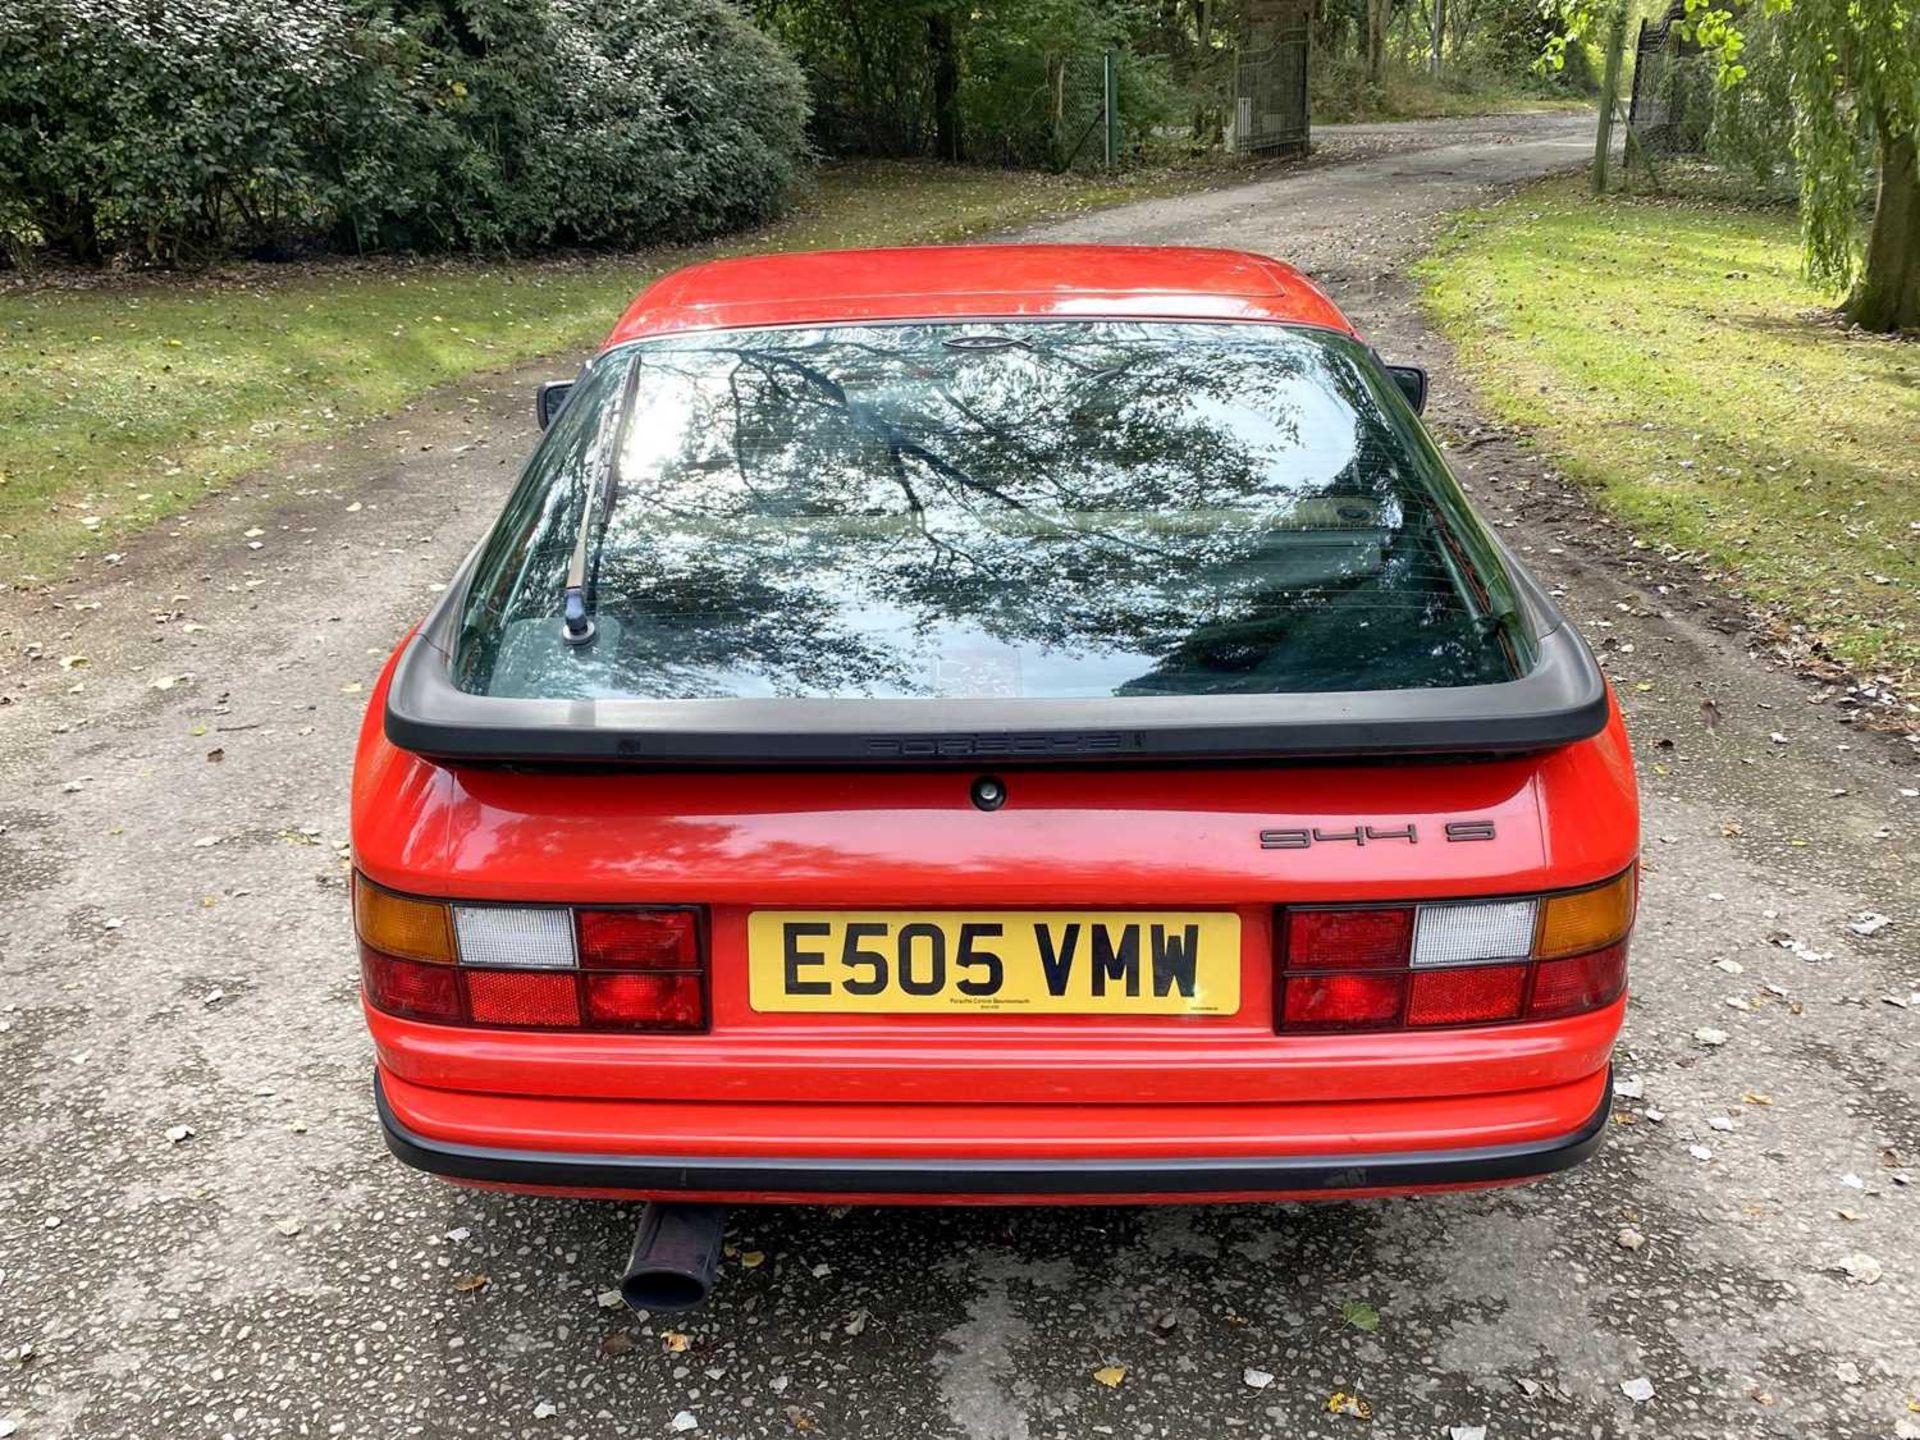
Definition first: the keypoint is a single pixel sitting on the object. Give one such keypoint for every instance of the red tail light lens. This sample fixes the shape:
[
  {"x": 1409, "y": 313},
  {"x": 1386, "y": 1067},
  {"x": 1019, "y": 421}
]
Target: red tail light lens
[
  {"x": 1344, "y": 1002},
  {"x": 639, "y": 940},
  {"x": 1456, "y": 962},
  {"x": 1349, "y": 939},
  {"x": 408, "y": 987},
  {"x": 539, "y": 967},
  {"x": 522, "y": 997},
  {"x": 1467, "y": 995},
  {"x": 1583, "y": 982},
  {"x": 645, "y": 1002}
]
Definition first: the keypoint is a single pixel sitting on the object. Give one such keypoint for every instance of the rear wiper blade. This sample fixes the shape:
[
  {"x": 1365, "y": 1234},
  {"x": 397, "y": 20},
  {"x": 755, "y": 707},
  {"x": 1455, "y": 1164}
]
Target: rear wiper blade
[{"x": 576, "y": 615}]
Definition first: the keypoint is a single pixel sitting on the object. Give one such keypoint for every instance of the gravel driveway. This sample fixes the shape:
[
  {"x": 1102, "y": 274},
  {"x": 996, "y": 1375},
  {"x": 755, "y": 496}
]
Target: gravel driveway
[{"x": 202, "y": 1235}]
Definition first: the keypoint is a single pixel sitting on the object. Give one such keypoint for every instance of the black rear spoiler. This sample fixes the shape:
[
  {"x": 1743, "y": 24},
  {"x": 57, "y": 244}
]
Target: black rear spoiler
[{"x": 1562, "y": 699}]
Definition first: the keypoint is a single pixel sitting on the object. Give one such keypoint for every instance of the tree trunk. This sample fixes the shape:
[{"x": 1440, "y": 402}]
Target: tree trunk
[
  {"x": 1376, "y": 39},
  {"x": 1887, "y": 298},
  {"x": 946, "y": 85}
]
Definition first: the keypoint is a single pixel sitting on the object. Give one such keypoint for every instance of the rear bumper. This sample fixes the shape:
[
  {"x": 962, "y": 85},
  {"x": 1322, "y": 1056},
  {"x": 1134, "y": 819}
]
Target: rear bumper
[{"x": 1378, "y": 1162}]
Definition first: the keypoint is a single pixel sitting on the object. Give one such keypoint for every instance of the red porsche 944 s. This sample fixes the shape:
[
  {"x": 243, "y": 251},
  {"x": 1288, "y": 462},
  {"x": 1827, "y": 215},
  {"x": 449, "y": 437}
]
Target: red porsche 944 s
[{"x": 991, "y": 724}]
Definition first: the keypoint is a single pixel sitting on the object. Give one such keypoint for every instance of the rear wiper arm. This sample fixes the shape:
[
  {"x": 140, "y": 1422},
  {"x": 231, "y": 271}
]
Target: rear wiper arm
[{"x": 576, "y": 616}]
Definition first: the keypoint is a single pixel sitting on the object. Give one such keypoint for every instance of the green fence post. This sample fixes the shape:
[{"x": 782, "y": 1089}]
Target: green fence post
[
  {"x": 1609, "y": 95},
  {"x": 1111, "y": 97}
]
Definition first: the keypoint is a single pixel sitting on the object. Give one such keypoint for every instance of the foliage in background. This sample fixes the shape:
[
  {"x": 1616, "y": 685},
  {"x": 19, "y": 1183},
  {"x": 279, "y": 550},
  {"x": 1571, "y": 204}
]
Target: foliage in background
[
  {"x": 175, "y": 131},
  {"x": 127, "y": 401},
  {"x": 1663, "y": 353},
  {"x": 1851, "y": 72}
]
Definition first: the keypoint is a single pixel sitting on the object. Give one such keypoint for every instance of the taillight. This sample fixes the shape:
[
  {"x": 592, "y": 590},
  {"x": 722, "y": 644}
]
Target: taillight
[
  {"x": 544, "y": 967},
  {"x": 1481, "y": 962}
]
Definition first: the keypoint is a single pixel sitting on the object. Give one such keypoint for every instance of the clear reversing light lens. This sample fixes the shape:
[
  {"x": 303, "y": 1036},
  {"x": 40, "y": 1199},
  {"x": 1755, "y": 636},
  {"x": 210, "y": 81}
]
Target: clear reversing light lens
[
  {"x": 514, "y": 937},
  {"x": 1461, "y": 934}
]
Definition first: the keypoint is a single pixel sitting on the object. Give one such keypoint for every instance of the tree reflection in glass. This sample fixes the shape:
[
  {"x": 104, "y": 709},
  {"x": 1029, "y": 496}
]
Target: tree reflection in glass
[{"x": 1039, "y": 509}]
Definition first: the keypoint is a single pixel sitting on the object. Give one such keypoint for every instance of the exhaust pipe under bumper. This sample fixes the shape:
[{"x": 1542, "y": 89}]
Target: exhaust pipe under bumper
[{"x": 675, "y": 1254}]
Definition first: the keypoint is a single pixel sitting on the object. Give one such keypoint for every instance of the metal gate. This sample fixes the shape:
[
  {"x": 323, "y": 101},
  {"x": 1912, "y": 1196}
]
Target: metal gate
[
  {"x": 1269, "y": 114},
  {"x": 1674, "y": 88}
]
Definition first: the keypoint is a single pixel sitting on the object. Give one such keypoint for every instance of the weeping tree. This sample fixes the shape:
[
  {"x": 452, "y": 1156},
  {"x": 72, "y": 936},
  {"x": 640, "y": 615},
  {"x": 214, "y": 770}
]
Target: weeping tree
[{"x": 1852, "y": 70}]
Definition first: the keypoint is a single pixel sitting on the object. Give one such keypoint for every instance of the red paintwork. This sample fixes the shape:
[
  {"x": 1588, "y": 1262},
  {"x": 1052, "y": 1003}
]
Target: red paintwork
[
  {"x": 1002, "y": 281},
  {"x": 1097, "y": 836}
]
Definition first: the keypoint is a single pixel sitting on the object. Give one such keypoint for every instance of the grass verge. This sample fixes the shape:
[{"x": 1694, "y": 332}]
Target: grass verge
[
  {"x": 123, "y": 401},
  {"x": 1668, "y": 355},
  {"x": 1341, "y": 94}
]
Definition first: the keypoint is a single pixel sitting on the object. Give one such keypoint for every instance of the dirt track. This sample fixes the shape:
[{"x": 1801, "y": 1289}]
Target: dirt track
[{"x": 174, "y": 944}]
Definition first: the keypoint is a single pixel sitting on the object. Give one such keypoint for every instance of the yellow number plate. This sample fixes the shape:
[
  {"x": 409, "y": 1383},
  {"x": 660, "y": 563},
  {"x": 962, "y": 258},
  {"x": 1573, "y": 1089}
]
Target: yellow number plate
[{"x": 1031, "y": 962}]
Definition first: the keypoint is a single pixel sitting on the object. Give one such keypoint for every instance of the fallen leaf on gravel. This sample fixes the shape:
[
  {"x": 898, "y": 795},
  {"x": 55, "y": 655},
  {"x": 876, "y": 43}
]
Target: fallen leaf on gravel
[
  {"x": 754, "y": 1259},
  {"x": 1845, "y": 1214},
  {"x": 1111, "y": 1375},
  {"x": 1360, "y": 1315},
  {"x": 857, "y": 1322},
  {"x": 1859, "y": 1267},
  {"x": 70, "y": 662},
  {"x": 1754, "y": 1097},
  {"x": 254, "y": 533},
  {"x": 1870, "y": 922},
  {"x": 673, "y": 1341},
  {"x": 1629, "y": 1238},
  {"x": 1709, "y": 1036},
  {"x": 470, "y": 1284},
  {"x": 1341, "y": 1403},
  {"x": 1256, "y": 1379},
  {"x": 618, "y": 1343},
  {"x": 352, "y": 687},
  {"x": 1639, "y": 1389},
  {"x": 216, "y": 755}
]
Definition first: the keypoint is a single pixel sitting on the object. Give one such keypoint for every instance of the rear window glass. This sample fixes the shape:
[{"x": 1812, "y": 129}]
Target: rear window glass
[{"x": 1040, "y": 509}]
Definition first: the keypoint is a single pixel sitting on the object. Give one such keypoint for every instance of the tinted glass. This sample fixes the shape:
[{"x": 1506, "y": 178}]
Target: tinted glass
[{"x": 1008, "y": 509}]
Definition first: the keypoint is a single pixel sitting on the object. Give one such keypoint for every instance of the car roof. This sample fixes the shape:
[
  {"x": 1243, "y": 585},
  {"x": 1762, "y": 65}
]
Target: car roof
[{"x": 982, "y": 281}]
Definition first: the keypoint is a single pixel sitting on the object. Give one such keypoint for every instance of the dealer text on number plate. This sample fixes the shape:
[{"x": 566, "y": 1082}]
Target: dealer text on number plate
[{"x": 1130, "y": 962}]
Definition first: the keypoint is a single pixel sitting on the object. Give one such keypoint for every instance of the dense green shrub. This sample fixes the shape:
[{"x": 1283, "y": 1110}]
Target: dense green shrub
[{"x": 171, "y": 131}]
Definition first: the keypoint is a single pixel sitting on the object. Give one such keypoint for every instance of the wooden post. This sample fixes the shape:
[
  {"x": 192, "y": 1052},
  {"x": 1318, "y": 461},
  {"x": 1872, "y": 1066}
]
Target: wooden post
[{"x": 1609, "y": 94}]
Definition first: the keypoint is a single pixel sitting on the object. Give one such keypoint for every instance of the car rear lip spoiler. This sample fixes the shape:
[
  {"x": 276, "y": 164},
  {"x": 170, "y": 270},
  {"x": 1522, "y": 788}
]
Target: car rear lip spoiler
[
  {"x": 710, "y": 1175},
  {"x": 1561, "y": 700}
]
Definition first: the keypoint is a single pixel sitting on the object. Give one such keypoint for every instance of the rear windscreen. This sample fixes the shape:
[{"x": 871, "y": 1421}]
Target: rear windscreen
[{"x": 1008, "y": 509}]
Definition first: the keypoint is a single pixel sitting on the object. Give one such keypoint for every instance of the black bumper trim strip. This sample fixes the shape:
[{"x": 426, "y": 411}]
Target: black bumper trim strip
[{"x": 959, "y": 1176}]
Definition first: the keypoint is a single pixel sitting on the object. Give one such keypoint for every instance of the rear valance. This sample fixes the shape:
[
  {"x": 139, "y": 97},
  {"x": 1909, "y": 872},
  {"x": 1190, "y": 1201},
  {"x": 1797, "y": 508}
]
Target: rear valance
[{"x": 1561, "y": 699}]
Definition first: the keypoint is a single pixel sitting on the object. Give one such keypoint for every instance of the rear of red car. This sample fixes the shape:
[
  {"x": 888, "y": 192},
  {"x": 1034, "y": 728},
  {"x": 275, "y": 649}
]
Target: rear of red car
[{"x": 979, "y": 761}]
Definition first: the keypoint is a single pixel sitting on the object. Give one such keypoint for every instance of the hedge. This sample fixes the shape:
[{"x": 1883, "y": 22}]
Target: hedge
[{"x": 173, "y": 132}]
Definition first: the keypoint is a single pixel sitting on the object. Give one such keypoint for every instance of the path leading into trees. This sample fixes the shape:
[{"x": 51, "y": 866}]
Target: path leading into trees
[{"x": 174, "y": 950}]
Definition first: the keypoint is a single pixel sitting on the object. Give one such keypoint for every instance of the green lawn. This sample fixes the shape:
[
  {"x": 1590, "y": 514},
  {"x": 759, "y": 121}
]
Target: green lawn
[
  {"x": 125, "y": 402},
  {"x": 1670, "y": 356}
]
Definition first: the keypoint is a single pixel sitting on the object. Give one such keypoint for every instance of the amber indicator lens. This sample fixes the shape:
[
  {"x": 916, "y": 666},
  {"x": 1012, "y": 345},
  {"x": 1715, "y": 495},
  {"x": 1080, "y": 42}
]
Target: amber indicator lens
[
  {"x": 399, "y": 925},
  {"x": 1584, "y": 920}
]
